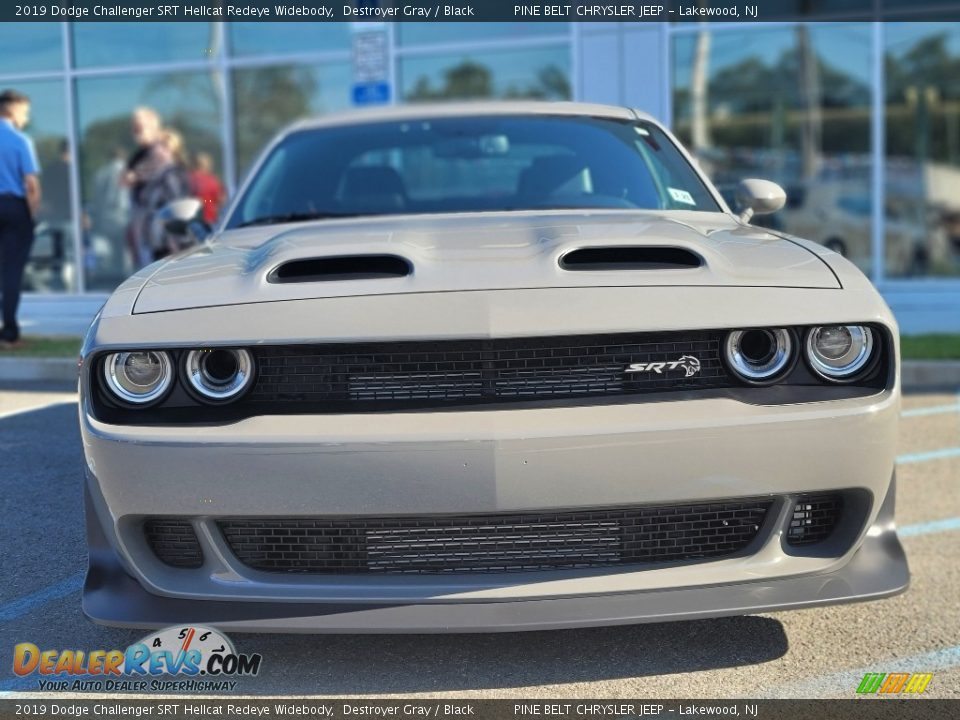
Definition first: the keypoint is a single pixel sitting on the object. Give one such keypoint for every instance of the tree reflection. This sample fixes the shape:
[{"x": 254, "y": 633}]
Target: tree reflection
[
  {"x": 268, "y": 99},
  {"x": 923, "y": 100},
  {"x": 471, "y": 80},
  {"x": 923, "y": 140}
]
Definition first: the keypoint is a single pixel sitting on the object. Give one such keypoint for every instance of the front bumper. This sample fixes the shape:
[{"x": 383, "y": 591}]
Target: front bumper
[
  {"x": 878, "y": 569},
  {"x": 478, "y": 462}
]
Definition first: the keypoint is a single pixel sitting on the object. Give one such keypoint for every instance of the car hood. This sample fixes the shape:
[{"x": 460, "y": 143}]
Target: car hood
[{"x": 482, "y": 251}]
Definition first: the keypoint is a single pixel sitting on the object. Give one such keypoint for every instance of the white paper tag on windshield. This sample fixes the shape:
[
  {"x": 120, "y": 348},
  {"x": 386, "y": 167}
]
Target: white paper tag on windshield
[{"x": 681, "y": 196}]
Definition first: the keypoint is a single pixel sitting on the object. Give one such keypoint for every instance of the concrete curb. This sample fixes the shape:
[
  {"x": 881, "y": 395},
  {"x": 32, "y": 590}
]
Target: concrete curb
[
  {"x": 917, "y": 375},
  {"x": 28, "y": 369},
  {"x": 927, "y": 375}
]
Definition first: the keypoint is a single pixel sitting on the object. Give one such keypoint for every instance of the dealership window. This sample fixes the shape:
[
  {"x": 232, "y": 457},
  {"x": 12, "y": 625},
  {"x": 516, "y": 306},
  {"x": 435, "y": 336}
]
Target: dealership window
[
  {"x": 30, "y": 47},
  {"x": 117, "y": 44},
  {"x": 792, "y": 105},
  {"x": 53, "y": 262},
  {"x": 922, "y": 154},
  {"x": 187, "y": 103},
  {"x": 286, "y": 38},
  {"x": 538, "y": 73},
  {"x": 268, "y": 98},
  {"x": 788, "y": 102}
]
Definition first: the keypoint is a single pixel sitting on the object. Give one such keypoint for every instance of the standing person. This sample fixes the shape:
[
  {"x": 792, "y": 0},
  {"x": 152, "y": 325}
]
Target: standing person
[
  {"x": 55, "y": 212},
  {"x": 171, "y": 183},
  {"x": 19, "y": 204},
  {"x": 148, "y": 161},
  {"x": 110, "y": 209},
  {"x": 207, "y": 187}
]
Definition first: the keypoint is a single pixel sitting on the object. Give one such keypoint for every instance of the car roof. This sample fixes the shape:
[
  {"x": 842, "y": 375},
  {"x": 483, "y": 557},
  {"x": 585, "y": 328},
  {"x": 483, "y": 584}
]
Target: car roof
[{"x": 460, "y": 109}]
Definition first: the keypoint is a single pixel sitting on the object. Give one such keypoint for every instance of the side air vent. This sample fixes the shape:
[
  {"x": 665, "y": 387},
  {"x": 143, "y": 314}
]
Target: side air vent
[
  {"x": 630, "y": 258},
  {"x": 344, "y": 267},
  {"x": 814, "y": 518},
  {"x": 174, "y": 542}
]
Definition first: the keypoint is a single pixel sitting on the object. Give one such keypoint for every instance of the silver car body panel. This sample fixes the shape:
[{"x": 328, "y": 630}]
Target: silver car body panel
[
  {"x": 483, "y": 251},
  {"x": 488, "y": 461}
]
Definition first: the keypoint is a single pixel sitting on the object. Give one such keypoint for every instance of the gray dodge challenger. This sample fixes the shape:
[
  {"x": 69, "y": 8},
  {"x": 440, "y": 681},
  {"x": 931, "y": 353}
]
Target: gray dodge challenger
[{"x": 487, "y": 367}]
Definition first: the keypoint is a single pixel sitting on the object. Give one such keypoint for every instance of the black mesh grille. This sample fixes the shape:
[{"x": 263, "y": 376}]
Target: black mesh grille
[
  {"x": 814, "y": 518},
  {"x": 496, "y": 543},
  {"x": 174, "y": 542},
  {"x": 404, "y": 374}
]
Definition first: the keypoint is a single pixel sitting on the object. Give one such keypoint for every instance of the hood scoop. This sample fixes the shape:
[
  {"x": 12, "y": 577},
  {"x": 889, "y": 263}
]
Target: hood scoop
[
  {"x": 493, "y": 252},
  {"x": 630, "y": 258},
  {"x": 341, "y": 267}
]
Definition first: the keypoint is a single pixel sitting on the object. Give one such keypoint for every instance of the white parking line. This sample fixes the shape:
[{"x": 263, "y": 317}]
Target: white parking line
[
  {"x": 953, "y": 407},
  {"x": 934, "y": 410},
  {"x": 941, "y": 454},
  {"x": 933, "y": 526}
]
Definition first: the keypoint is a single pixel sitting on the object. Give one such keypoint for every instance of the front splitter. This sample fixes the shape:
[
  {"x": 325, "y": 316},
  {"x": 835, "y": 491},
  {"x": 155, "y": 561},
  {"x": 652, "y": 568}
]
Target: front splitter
[{"x": 877, "y": 570}]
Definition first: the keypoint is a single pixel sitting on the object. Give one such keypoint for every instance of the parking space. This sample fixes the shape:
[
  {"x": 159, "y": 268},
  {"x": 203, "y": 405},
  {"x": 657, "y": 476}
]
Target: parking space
[{"x": 808, "y": 653}]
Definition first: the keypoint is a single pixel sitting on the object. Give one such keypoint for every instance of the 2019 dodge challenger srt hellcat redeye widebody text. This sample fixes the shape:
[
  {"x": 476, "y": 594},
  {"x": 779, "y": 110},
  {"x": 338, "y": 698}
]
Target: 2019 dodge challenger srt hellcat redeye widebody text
[{"x": 488, "y": 367}]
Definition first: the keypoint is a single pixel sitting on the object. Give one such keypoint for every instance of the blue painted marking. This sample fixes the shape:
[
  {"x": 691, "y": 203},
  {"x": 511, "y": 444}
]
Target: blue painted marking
[
  {"x": 934, "y": 410},
  {"x": 927, "y": 456},
  {"x": 925, "y": 528},
  {"x": 14, "y": 609}
]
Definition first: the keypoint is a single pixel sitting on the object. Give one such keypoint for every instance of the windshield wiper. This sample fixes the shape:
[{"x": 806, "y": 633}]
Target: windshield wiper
[{"x": 294, "y": 217}]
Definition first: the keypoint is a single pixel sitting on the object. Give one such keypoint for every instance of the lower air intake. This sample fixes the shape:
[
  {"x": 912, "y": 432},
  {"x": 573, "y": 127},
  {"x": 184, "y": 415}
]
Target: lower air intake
[
  {"x": 174, "y": 542},
  {"x": 814, "y": 519},
  {"x": 497, "y": 543}
]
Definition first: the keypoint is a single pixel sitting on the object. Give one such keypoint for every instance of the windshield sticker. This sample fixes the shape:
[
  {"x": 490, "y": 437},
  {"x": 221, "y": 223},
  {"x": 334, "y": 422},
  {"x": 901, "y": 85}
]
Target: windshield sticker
[{"x": 681, "y": 196}]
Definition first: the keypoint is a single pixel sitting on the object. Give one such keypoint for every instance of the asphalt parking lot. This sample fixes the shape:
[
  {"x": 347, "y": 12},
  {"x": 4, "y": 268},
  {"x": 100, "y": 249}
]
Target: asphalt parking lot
[{"x": 807, "y": 653}]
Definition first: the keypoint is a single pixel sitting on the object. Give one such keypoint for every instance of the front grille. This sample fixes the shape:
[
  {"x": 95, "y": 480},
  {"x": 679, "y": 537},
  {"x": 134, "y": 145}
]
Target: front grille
[
  {"x": 497, "y": 543},
  {"x": 430, "y": 374},
  {"x": 174, "y": 542},
  {"x": 814, "y": 519}
]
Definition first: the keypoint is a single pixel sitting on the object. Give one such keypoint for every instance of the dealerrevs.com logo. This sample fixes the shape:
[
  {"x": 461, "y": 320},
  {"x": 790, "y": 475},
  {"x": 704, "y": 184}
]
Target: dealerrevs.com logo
[{"x": 202, "y": 657}]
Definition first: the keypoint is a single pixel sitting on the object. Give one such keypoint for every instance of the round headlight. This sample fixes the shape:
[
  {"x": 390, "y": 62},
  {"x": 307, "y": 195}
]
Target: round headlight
[
  {"x": 138, "y": 377},
  {"x": 759, "y": 355},
  {"x": 219, "y": 374},
  {"x": 837, "y": 352}
]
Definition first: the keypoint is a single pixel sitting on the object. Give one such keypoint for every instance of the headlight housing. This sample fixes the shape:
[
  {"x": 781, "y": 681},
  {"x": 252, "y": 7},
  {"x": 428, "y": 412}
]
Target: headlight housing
[
  {"x": 839, "y": 352},
  {"x": 139, "y": 377},
  {"x": 759, "y": 355},
  {"x": 219, "y": 374}
]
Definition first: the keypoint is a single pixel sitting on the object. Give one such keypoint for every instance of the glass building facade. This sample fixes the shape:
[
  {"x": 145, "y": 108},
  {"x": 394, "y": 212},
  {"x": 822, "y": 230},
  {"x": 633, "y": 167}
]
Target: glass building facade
[{"x": 858, "y": 120}]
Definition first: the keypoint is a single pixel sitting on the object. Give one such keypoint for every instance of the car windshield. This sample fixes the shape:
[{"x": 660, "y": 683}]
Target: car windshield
[{"x": 470, "y": 164}]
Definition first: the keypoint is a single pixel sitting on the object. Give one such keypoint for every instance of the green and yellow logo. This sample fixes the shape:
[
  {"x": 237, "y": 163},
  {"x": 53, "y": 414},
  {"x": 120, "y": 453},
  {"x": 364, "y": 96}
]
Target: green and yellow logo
[{"x": 894, "y": 683}]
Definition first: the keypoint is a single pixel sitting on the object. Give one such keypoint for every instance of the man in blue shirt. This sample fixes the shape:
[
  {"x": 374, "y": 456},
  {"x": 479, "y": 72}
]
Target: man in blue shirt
[{"x": 19, "y": 203}]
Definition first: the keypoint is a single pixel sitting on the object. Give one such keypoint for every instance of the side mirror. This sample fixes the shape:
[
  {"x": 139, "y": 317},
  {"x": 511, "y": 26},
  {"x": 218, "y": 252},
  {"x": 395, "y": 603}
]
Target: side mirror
[
  {"x": 759, "y": 197},
  {"x": 184, "y": 217}
]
